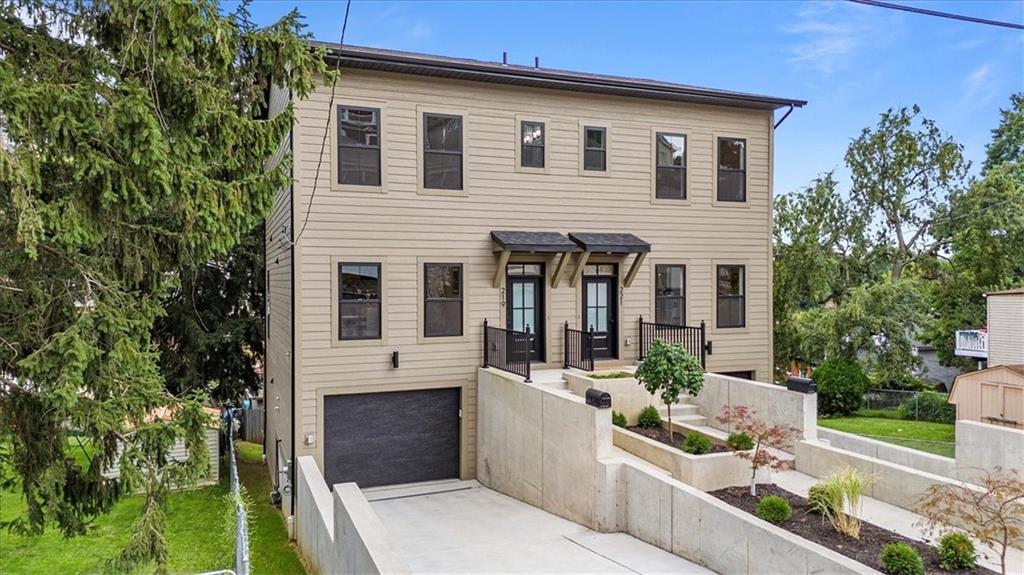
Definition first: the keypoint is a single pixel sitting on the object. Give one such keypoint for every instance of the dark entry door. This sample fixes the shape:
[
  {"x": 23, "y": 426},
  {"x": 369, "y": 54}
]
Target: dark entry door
[
  {"x": 599, "y": 313},
  {"x": 525, "y": 305},
  {"x": 389, "y": 438}
]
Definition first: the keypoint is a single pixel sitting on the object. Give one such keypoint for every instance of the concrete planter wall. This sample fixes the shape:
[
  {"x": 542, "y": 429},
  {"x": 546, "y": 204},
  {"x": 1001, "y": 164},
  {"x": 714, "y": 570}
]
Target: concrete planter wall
[
  {"x": 705, "y": 472},
  {"x": 774, "y": 404},
  {"x": 982, "y": 446},
  {"x": 930, "y": 463},
  {"x": 628, "y": 396}
]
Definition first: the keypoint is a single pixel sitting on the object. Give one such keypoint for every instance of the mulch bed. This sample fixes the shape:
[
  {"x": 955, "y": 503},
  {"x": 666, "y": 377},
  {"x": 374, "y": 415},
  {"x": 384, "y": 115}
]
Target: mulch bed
[
  {"x": 661, "y": 435},
  {"x": 810, "y": 526}
]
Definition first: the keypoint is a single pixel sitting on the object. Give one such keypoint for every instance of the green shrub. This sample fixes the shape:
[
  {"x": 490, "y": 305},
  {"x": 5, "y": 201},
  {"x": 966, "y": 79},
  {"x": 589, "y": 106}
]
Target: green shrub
[
  {"x": 618, "y": 419},
  {"x": 774, "y": 509},
  {"x": 841, "y": 386},
  {"x": 928, "y": 406},
  {"x": 956, "y": 551},
  {"x": 820, "y": 500},
  {"x": 696, "y": 444},
  {"x": 901, "y": 559},
  {"x": 740, "y": 441},
  {"x": 649, "y": 417}
]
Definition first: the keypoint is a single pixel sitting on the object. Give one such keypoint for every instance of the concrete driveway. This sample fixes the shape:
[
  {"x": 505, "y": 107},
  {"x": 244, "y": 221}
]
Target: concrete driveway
[{"x": 462, "y": 527}]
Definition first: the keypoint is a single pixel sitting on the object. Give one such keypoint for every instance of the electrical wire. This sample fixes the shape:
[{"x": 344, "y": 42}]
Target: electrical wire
[
  {"x": 327, "y": 126},
  {"x": 936, "y": 13}
]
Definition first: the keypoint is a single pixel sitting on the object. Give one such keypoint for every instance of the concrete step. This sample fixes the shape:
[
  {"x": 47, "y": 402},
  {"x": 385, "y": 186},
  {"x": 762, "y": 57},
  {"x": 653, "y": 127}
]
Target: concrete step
[
  {"x": 692, "y": 420},
  {"x": 679, "y": 409}
]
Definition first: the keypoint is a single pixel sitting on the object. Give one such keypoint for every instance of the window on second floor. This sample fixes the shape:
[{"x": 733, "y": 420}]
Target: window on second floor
[
  {"x": 531, "y": 153},
  {"x": 442, "y": 151},
  {"x": 358, "y": 146},
  {"x": 731, "y": 296},
  {"x": 595, "y": 149},
  {"x": 670, "y": 164},
  {"x": 442, "y": 299},
  {"x": 359, "y": 299},
  {"x": 732, "y": 170},
  {"x": 670, "y": 294}
]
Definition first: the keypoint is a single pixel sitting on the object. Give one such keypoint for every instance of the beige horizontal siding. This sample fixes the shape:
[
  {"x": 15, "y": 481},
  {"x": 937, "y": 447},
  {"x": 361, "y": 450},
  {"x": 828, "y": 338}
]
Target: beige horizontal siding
[
  {"x": 1006, "y": 329},
  {"x": 404, "y": 227}
]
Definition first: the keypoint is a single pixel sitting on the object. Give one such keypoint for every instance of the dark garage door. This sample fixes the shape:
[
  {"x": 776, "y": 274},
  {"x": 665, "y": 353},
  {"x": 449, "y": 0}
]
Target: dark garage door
[{"x": 388, "y": 438}]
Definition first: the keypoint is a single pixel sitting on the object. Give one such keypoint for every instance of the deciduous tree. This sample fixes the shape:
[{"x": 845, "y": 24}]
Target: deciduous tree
[
  {"x": 768, "y": 439},
  {"x": 668, "y": 370}
]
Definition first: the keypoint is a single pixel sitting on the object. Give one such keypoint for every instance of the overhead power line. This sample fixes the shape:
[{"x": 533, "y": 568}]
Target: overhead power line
[
  {"x": 327, "y": 125},
  {"x": 938, "y": 14}
]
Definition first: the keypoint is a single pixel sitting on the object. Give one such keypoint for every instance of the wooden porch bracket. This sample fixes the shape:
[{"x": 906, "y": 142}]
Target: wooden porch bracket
[
  {"x": 556, "y": 278},
  {"x": 634, "y": 269},
  {"x": 578, "y": 272},
  {"x": 499, "y": 272}
]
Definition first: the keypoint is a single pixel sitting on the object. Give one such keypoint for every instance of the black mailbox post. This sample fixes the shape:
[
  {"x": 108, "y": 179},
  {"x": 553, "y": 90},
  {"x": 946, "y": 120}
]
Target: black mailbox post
[
  {"x": 801, "y": 384},
  {"x": 599, "y": 399}
]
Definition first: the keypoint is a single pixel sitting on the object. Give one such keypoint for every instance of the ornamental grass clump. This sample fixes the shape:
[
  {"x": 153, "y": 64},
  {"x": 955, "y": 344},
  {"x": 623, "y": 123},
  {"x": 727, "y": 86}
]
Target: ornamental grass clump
[{"x": 838, "y": 499}]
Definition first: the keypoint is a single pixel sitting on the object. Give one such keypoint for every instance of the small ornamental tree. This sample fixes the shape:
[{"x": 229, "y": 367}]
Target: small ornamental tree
[
  {"x": 766, "y": 439},
  {"x": 668, "y": 370},
  {"x": 991, "y": 512}
]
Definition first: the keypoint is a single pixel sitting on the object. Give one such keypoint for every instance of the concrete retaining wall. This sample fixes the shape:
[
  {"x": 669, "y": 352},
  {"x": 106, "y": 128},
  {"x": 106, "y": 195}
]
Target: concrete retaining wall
[
  {"x": 981, "y": 446},
  {"x": 774, "y": 404},
  {"x": 705, "y": 472},
  {"x": 935, "y": 464},
  {"x": 339, "y": 532},
  {"x": 628, "y": 396}
]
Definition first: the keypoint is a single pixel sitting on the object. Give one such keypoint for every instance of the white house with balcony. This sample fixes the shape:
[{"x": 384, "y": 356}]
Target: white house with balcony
[{"x": 1001, "y": 342}]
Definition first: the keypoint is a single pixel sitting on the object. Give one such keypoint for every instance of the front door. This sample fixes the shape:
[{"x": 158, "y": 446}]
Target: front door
[
  {"x": 525, "y": 304},
  {"x": 600, "y": 312}
]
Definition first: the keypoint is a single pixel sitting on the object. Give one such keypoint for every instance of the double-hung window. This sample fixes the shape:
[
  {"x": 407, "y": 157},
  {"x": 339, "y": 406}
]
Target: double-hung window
[
  {"x": 732, "y": 170},
  {"x": 670, "y": 294},
  {"x": 442, "y": 151},
  {"x": 731, "y": 296},
  {"x": 359, "y": 299},
  {"x": 670, "y": 180},
  {"x": 442, "y": 299},
  {"x": 595, "y": 149},
  {"x": 531, "y": 151},
  {"x": 358, "y": 146}
]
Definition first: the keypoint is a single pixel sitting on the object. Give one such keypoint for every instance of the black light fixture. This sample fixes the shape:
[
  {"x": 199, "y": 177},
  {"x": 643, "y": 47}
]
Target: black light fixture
[{"x": 394, "y": 359}]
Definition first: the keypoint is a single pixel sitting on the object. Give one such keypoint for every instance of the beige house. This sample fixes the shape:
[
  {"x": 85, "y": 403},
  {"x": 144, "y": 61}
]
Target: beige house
[{"x": 433, "y": 195}]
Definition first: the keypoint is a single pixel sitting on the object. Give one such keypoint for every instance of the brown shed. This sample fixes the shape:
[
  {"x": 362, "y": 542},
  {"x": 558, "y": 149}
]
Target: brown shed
[{"x": 994, "y": 395}]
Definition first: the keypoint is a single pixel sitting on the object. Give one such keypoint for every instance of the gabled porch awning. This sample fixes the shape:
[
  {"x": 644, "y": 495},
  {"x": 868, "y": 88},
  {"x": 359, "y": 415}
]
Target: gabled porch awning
[
  {"x": 610, "y": 243},
  {"x": 508, "y": 242}
]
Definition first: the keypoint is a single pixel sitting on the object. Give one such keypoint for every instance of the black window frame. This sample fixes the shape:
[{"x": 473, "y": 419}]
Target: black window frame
[
  {"x": 742, "y": 170},
  {"x": 742, "y": 296},
  {"x": 427, "y": 299},
  {"x": 523, "y": 146},
  {"x": 603, "y": 149},
  {"x": 427, "y": 152},
  {"x": 378, "y": 302},
  {"x": 658, "y": 167},
  {"x": 341, "y": 146},
  {"x": 658, "y": 298}
]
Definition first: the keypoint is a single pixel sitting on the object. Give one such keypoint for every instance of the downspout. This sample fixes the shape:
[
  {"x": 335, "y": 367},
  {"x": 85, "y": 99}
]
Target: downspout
[
  {"x": 784, "y": 116},
  {"x": 291, "y": 304}
]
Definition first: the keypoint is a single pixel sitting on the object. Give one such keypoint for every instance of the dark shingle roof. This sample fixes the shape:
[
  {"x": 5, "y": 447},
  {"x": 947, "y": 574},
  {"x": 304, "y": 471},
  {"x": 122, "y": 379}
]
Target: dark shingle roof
[
  {"x": 551, "y": 242},
  {"x": 610, "y": 243},
  {"x": 512, "y": 74}
]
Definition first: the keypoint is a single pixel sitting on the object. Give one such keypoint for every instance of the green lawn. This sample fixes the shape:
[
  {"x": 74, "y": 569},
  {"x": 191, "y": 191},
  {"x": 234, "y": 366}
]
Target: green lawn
[
  {"x": 937, "y": 438},
  {"x": 200, "y": 533}
]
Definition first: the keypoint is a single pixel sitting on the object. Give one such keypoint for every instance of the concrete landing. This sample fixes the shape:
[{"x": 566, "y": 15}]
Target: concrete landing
[{"x": 472, "y": 529}]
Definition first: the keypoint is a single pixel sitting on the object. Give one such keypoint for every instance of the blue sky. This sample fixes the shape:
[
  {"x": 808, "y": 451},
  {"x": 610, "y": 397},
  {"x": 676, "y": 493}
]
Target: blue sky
[{"x": 849, "y": 61}]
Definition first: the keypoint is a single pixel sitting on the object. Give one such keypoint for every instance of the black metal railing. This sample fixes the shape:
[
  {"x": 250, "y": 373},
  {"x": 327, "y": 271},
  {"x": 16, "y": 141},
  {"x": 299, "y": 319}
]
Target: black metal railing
[
  {"x": 508, "y": 350},
  {"x": 579, "y": 349},
  {"x": 694, "y": 339}
]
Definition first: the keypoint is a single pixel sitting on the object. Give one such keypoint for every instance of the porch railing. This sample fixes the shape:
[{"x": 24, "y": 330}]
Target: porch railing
[
  {"x": 579, "y": 349},
  {"x": 694, "y": 339},
  {"x": 507, "y": 350},
  {"x": 972, "y": 343}
]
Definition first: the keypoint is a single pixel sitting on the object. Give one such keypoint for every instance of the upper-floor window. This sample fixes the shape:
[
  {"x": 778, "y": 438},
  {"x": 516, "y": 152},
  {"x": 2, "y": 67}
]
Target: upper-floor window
[
  {"x": 731, "y": 296},
  {"x": 670, "y": 294},
  {"x": 358, "y": 146},
  {"x": 531, "y": 145},
  {"x": 595, "y": 149},
  {"x": 442, "y": 151},
  {"x": 732, "y": 170},
  {"x": 442, "y": 299},
  {"x": 359, "y": 299},
  {"x": 671, "y": 166}
]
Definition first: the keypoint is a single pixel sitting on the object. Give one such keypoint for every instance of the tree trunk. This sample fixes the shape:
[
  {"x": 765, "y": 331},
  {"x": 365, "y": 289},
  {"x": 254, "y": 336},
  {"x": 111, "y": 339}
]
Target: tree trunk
[
  {"x": 670, "y": 437},
  {"x": 897, "y": 268}
]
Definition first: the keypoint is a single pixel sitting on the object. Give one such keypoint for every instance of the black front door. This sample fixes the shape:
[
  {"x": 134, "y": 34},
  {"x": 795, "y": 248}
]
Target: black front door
[
  {"x": 524, "y": 294},
  {"x": 599, "y": 313}
]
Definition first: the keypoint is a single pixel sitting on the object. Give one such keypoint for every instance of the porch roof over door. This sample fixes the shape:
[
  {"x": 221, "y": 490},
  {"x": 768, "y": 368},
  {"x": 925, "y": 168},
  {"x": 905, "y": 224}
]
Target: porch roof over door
[
  {"x": 611, "y": 243},
  {"x": 508, "y": 242}
]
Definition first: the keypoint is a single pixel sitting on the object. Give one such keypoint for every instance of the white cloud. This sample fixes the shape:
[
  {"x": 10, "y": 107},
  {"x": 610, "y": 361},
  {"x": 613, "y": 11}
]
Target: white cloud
[
  {"x": 832, "y": 33},
  {"x": 979, "y": 85}
]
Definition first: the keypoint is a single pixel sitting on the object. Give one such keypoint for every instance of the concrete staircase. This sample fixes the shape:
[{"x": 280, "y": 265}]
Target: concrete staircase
[{"x": 684, "y": 413}]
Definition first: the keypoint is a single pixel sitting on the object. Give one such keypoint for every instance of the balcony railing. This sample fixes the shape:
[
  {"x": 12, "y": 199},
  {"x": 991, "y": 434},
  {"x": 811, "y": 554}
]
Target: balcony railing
[
  {"x": 579, "y": 349},
  {"x": 972, "y": 343},
  {"x": 693, "y": 339},
  {"x": 507, "y": 350}
]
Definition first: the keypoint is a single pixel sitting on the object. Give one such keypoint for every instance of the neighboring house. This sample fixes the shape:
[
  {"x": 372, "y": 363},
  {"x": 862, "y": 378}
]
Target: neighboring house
[
  {"x": 932, "y": 371},
  {"x": 453, "y": 192},
  {"x": 995, "y": 394}
]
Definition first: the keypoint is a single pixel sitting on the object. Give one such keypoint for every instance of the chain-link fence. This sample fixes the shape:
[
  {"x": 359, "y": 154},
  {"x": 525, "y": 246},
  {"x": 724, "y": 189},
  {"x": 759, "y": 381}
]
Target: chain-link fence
[
  {"x": 888, "y": 398},
  {"x": 909, "y": 405},
  {"x": 241, "y": 517}
]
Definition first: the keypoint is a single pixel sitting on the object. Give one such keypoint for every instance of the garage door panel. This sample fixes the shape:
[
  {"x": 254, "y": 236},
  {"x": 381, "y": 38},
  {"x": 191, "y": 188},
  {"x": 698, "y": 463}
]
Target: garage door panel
[{"x": 388, "y": 438}]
